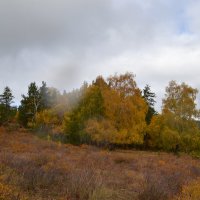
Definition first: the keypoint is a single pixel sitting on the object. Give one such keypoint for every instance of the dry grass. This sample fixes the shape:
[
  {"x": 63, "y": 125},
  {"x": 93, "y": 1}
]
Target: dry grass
[{"x": 35, "y": 169}]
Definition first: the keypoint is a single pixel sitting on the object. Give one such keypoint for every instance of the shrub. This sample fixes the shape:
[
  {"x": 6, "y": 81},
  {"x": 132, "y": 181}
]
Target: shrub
[
  {"x": 161, "y": 186},
  {"x": 152, "y": 190},
  {"x": 46, "y": 119},
  {"x": 101, "y": 131},
  {"x": 190, "y": 192},
  {"x": 170, "y": 139}
]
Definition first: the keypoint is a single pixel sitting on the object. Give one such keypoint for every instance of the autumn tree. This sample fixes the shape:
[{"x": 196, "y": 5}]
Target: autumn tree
[
  {"x": 161, "y": 135},
  {"x": 124, "y": 84},
  {"x": 176, "y": 127},
  {"x": 126, "y": 108},
  {"x": 46, "y": 120},
  {"x": 124, "y": 111},
  {"x": 90, "y": 106},
  {"x": 180, "y": 105}
]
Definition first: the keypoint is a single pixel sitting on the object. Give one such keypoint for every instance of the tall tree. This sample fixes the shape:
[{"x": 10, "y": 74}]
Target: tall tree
[
  {"x": 89, "y": 107},
  {"x": 54, "y": 96},
  {"x": 6, "y": 110},
  {"x": 124, "y": 108},
  {"x": 6, "y": 98},
  {"x": 45, "y": 101},
  {"x": 176, "y": 128},
  {"x": 149, "y": 97},
  {"x": 180, "y": 105},
  {"x": 30, "y": 104},
  {"x": 124, "y": 84},
  {"x": 34, "y": 98}
]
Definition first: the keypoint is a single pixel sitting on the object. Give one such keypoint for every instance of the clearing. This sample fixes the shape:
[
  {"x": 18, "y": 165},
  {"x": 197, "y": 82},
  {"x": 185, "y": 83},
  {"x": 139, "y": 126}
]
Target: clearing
[{"x": 35, "y": 169}]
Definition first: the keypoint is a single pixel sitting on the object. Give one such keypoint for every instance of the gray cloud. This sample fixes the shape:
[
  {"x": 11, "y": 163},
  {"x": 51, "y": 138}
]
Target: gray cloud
[{"x": 66, "y": 42}]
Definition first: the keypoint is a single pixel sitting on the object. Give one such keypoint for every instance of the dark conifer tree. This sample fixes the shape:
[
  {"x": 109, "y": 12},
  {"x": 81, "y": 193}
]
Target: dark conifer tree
[
  {"x": 150, "y": 100},
  {"x": 30, "y": 104},
  {"x": 6, "y": 110},
  {"x": 45, "y": 96}
]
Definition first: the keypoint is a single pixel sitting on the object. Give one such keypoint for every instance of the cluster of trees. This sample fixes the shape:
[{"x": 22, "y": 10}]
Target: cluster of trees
[
  {"x": 177, "y": 126},
  {"x": 109, "y": 112},
  {"x": 112, "y": 111},
  {"x": 44, "y": 107}
]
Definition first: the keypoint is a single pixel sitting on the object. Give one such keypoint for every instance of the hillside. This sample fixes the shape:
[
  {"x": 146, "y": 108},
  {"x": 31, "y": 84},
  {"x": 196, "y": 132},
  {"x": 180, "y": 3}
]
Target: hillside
[{"x": 34, "y": 169}]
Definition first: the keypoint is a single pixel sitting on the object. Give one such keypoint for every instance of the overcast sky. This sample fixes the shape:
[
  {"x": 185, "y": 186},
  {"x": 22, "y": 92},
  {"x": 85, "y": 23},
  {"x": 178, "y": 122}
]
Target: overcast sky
[{"x": 65, "y": 42}]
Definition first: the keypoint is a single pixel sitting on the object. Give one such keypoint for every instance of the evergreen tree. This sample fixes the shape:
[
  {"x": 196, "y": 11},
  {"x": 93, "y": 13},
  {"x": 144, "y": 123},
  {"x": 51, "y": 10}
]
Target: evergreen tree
[
  {"x": 7, "y": 98},
  {"x": 30, "y": 105},
  {"x": 90, "y": 106},
  {"x": 150, "y": 100},
  {"x": 54, "y": 96},
  {"x": 45, "y": 96},
  {"x": 6, "y": 110}
]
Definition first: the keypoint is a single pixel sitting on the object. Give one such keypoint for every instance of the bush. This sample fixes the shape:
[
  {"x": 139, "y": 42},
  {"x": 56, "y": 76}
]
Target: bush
[
  {"x": 190, "y": 192},
  {"x": 46, "y": 119},
  {"x": 161, "y": 187},
  {"x": 101, "y": 131},
  {"x": 163, "y": 134},
  {"x": 170, "y": 139}
]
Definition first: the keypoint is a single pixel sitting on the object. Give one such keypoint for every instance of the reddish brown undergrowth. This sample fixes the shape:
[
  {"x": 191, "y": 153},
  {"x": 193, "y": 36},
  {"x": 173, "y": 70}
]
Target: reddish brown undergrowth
[{"x": 34, "y": 169}]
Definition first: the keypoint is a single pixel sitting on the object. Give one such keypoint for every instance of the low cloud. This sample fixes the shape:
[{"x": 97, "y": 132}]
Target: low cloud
[{"x": 67, "y": 42}]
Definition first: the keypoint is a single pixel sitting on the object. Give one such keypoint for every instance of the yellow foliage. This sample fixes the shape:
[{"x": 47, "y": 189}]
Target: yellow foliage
[
  {"x": 112, "y": 112},
  {"x": 47, "y": 117},
  {"x": 190, "y": 192},
  {"x": 154, "y": 130},
  {"x": 170, "y": 139},
  {"x": 100, "y": 131},
  {"x": 126, "y": 112},
  {"x": 161, "y": 135},
  {"x": 179, "y": 107},
  {"x": 125, "y": 136}
]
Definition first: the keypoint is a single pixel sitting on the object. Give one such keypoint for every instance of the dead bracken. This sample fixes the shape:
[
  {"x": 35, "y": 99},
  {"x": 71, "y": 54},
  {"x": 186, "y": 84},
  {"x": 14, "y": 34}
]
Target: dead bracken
[{"x": 31, "y": 168}]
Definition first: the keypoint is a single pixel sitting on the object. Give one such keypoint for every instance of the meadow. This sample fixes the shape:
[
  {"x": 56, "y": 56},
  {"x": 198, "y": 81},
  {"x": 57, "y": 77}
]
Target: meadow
[{"x": 36, "y": 169}]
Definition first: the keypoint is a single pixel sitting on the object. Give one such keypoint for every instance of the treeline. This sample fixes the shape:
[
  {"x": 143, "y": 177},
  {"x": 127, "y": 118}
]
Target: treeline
[{"x": 110, "y": 112}]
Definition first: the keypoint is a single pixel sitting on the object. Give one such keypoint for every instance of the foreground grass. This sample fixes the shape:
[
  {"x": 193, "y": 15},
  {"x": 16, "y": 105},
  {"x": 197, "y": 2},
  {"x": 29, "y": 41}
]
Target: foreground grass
[{"x": 34, "y": 169}]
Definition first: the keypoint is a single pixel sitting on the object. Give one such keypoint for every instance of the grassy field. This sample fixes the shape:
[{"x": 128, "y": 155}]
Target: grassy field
[{"x": 35, "y": 169}]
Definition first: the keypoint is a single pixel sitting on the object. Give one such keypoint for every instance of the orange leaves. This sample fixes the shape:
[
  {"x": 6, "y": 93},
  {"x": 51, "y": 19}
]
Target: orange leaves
[
  {"x": 125, "y": 108},
  {"x": 111, "y": 112}
]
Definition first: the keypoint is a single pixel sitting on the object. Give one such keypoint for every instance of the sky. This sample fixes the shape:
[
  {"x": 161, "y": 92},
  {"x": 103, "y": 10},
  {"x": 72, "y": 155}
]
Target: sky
[{"x": 67, "y": 42}]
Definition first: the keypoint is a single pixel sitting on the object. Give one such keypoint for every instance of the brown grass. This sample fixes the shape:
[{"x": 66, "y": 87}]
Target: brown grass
[{"x": 34, "y": 169}]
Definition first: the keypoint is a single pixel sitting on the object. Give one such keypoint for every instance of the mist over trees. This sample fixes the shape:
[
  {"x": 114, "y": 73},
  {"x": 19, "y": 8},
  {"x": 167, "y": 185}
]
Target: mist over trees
[{"x": 110, "y": 111}]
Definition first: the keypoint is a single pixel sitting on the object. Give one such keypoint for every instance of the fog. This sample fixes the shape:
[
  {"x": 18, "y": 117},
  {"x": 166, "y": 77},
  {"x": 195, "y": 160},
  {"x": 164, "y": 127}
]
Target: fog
[{"x": 67, "y": 42}]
